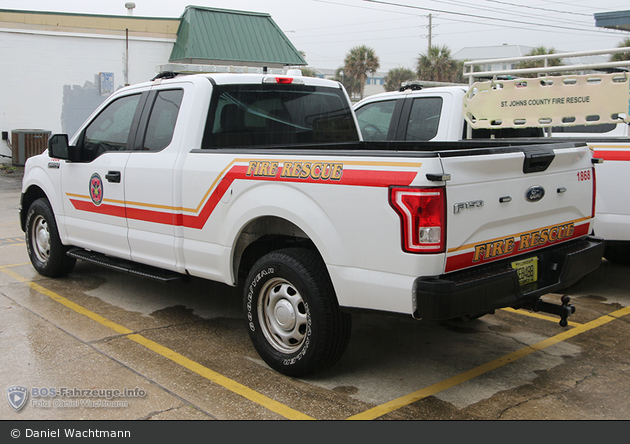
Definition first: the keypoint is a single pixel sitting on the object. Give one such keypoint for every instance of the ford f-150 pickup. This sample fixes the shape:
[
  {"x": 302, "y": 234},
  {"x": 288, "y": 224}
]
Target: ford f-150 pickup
[{"x": 263, "y": 181}]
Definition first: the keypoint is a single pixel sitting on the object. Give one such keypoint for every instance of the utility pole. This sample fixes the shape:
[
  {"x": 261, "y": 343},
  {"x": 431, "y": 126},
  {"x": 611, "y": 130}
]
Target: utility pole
[{"x": 430, "y": 30}]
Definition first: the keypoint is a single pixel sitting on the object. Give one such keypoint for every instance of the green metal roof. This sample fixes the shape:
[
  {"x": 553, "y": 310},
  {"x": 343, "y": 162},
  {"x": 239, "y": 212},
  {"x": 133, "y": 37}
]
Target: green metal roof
[{"x": 222, "y": 35}]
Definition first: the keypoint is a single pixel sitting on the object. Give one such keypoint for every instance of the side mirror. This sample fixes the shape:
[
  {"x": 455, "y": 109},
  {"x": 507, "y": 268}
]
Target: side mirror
[{"x": 58, "y": 146}]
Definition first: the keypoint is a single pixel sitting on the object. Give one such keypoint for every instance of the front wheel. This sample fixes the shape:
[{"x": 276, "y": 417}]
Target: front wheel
[
  {"x": 293, "y": 316},
  {"x": 47, "y": 253}
]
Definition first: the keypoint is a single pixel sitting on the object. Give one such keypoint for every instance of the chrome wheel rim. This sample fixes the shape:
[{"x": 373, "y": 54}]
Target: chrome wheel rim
[
  {"x": 283, "y": 316},
  {"x": 40, "y": 239}
]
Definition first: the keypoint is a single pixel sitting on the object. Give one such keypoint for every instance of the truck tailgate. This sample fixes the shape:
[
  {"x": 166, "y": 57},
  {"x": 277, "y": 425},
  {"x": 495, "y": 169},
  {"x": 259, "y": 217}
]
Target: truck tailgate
[{"x": 509, "y": 202}]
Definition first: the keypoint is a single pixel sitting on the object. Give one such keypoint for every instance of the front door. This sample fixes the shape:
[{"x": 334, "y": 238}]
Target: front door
[{"x": 93, "y": 188}]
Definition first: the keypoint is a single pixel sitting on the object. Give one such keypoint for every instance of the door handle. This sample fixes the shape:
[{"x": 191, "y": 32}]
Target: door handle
[{"x": 113, "y": 176}]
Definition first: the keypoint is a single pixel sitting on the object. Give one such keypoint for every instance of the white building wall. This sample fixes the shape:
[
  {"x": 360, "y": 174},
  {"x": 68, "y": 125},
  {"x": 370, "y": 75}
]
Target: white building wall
[{"x": 42, "y": 69}]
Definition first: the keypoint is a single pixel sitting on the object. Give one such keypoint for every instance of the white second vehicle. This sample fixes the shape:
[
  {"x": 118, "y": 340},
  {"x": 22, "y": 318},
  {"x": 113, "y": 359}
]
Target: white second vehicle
[{"x": 588, "y": 108}]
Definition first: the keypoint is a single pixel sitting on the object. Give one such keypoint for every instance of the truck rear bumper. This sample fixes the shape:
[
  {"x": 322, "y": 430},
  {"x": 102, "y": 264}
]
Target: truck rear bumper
[{"x": 489, "y": 287}]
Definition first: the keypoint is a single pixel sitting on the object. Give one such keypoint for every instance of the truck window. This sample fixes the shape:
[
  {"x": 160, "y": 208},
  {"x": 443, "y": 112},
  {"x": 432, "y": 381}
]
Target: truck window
[
  {"x": 109, "y": 131},
  {"x": 162, "y": 121},
  {"x": 424, "y": 118},
  {"x": 375, "y": 118},
  {"x": 270, "y": 114}
]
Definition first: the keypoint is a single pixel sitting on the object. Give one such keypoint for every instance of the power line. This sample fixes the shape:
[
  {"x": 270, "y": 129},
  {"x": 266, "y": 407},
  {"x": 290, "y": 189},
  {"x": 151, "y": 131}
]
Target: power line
[
  {"x": 540, "y": 9},
  {"x": 470, "y": 15},
  {"x": 346, "y": 25},
  {"x": 358, "y": 32},
  {"x": 512, "y": 12}
]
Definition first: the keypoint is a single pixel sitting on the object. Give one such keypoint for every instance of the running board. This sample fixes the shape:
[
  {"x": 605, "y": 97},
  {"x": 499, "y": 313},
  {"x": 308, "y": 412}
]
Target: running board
[{"x": 126, "y": 266}]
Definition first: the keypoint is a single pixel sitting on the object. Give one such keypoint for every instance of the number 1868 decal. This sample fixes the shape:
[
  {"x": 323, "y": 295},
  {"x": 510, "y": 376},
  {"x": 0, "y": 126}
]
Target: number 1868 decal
[{"x": 584, "y": 175}]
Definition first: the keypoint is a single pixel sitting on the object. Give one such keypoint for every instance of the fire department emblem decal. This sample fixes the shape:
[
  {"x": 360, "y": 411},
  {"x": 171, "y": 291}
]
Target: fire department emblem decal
[
  {"x": 17, "y": 395},
  {"x": 96, "y": 189}
]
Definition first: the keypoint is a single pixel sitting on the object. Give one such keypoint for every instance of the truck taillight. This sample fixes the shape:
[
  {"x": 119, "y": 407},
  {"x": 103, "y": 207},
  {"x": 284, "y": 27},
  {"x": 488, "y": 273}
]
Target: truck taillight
[
  {"x": 285, "y": 80},
  {"x": 422, "y": 218},
  {"x": 282, "y": 80}
]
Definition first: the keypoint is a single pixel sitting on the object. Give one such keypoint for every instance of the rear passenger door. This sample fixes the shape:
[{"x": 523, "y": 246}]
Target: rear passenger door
[
  {"x": 149, "y": 176},
  {"x": 421, "y": 118}
]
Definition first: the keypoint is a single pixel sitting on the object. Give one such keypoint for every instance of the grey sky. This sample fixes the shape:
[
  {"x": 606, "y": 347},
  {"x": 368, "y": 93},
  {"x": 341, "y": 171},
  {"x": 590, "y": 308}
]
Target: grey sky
[{"x": 397, "y": 30}]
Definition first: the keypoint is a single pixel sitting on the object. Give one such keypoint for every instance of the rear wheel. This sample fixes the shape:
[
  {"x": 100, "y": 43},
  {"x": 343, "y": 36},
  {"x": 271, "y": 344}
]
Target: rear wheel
[
  {"x": 294, "y": 319},
  {"x": 47, "y": 253}
]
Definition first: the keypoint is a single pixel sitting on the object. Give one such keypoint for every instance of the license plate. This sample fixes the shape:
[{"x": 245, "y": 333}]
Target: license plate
[{"x": 527, "y": 270}]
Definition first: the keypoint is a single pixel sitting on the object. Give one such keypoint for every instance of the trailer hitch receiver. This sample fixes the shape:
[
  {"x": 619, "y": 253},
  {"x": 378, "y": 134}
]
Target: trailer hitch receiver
[{"x": 564, "y": 311}]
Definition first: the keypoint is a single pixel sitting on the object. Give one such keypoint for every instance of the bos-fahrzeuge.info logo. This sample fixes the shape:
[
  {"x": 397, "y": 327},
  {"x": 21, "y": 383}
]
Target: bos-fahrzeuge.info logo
[
  {"x": 17, "y": 396},
  {"x": 47, "y": 397}
]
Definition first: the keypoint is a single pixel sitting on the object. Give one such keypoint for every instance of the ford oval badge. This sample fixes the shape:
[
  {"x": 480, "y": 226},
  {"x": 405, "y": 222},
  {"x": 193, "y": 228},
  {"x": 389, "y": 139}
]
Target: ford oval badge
[{"x": 534, "y": 194}]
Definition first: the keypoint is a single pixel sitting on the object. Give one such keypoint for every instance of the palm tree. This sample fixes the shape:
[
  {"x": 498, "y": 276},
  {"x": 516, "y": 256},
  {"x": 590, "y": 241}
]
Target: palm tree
[
  {"x": 541, "y": 50},
  {"x": 360, "y": 61},
  {"x": 621, "y": 56},
  {"x": 351, "y": 84},
  {"x": 396, "y": 76},
  {"x": 438, "y": 66}
]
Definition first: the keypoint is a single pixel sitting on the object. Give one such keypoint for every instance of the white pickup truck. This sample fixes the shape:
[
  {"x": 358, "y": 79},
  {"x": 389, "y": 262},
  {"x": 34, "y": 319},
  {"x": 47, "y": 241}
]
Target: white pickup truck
[
  {"x": 591, "y": 108},
  {"x": 263, "y": 181}
]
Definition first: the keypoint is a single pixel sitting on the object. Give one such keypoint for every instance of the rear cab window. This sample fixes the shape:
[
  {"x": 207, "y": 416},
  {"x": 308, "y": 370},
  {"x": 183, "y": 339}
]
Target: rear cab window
[{"x": 245, "y": 115}]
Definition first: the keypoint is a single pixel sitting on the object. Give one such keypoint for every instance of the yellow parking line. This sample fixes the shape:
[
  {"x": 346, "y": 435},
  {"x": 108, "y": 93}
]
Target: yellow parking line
[
  {"x": 473, "y": 373},
  {"x": 538, "y": 316},
  {"x": 205, "y": 372},
  {"x": 289, "y": 413},
  {"x": 12, "y": 241}
]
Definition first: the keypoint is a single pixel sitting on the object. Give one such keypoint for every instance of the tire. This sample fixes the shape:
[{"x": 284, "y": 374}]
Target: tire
[
  {"x": 47, "y": 253},
  {"x": 292, "y": 312}
]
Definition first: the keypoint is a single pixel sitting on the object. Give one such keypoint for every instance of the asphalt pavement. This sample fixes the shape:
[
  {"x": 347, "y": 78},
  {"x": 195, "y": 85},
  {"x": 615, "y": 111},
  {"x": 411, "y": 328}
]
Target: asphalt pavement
[{"x": 100, "y": 345}]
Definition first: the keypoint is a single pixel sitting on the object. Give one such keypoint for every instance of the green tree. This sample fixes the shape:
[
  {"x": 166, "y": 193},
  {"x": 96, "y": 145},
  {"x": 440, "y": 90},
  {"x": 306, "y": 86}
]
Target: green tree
[
  {"x": 541, "y": 50},
  {"x": 396, "y": 76},
  {"x": 621, "y": 56},
  {"x": 437, "y": 65},
  {"x": 351, "y": 84},
  {"x": 306, "y": 71},
  {"x": 360, "y": 61}
]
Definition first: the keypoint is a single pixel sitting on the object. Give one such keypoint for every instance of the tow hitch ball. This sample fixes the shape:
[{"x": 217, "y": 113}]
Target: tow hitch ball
[{"x": 564, "y": 311}]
